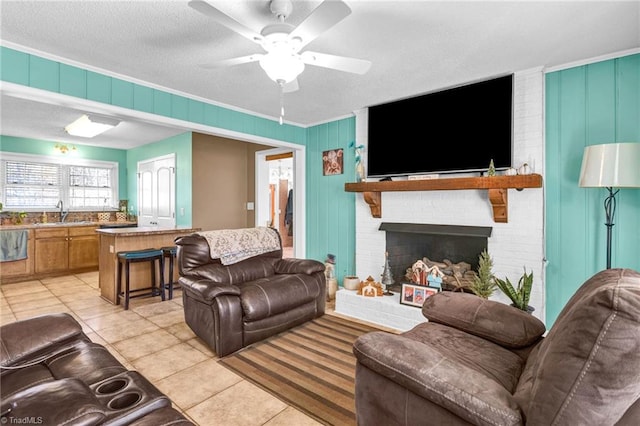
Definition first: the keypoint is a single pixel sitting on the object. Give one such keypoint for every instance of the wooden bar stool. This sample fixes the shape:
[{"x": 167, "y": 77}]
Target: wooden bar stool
[
  {"x": 125, "y": 258},
  {"x": 169, "y": 254}
]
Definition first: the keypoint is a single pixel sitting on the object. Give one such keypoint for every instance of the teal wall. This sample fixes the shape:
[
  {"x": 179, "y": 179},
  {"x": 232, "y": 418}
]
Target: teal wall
[
  {"x": 181, "y": 146},
  {"x": 330, "y": 210},
  {"x": 41, "y": 147},
  {"x": 33, "y": 71},
  {"x": 587, "y": 105}
]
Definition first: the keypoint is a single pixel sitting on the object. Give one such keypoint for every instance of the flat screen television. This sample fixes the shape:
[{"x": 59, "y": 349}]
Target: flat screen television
[{"x": 456, "y": 130}]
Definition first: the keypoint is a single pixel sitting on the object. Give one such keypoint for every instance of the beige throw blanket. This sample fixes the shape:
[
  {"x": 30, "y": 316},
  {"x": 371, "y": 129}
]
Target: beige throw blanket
[{"x": 233, "y": 245}]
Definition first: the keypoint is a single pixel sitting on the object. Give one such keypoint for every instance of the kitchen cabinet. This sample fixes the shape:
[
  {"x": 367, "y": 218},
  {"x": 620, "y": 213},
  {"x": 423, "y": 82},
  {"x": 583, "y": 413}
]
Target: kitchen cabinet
[
  {"x": 65, "y": 249},
  {"x": 18, "y": 268},
  {"x": 52, "y": 250},
  {"x": 83, "y": 247}
]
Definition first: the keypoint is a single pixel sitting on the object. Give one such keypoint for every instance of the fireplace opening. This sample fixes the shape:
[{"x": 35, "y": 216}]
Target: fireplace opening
[{"x": 408, "y": 242}]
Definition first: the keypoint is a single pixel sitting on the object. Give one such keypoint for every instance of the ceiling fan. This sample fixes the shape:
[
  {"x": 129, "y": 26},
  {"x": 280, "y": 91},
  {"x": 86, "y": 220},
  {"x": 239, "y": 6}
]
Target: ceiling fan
[{"x": 283, "y": 60}]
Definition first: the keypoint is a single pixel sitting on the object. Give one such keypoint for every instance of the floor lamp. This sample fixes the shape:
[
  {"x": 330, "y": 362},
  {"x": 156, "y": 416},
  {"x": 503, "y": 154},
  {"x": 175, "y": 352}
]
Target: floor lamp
[{"x": 614, "y": 165}]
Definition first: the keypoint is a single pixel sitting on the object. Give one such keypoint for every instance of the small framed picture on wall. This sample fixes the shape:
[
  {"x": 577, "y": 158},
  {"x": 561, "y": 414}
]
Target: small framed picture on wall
[{"x": 332, "y": 162}]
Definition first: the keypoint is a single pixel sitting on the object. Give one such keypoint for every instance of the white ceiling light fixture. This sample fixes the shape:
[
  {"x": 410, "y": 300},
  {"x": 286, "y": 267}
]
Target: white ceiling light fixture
[
  {"x": 85, "y": 127},
  {"x": 282, "y": 63}
]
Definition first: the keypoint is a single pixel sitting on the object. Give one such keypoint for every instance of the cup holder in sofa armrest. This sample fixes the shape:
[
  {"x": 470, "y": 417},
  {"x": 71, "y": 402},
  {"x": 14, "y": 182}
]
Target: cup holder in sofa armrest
[
  {"x": 124, "y": 401},
  {"x": 112, "y": 385},
  {"x": 128, "y": 396}
]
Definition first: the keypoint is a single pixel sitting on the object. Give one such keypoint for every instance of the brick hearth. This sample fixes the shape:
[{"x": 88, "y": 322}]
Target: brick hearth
[{"x": 385, "y": 310}]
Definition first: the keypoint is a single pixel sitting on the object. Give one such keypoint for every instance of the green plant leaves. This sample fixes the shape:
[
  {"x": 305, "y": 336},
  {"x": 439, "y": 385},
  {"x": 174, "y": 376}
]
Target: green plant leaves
[
  {"x": 484, "y": 282},
  {"x": 520, "y": 295}
]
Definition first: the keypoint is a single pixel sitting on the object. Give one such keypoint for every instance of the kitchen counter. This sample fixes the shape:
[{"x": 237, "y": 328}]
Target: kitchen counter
[
  {"x": 114, "y": 240},
  {"x": 63, "y": 224},
  {"x": 138, "y": 231}
]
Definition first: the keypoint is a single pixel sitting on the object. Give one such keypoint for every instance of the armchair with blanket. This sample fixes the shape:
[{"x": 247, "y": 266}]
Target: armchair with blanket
[
  {"x": 482, "y": 362},
  {"x": 237, "y": 289}
]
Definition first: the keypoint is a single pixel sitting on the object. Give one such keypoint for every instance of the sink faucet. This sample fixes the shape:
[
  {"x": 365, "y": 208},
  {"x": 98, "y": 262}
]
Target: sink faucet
[{"x": 63, "y": 214}]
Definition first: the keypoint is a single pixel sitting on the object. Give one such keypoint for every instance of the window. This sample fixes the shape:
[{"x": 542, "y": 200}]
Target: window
[
  {"x": 89, "y": 187},
  {"x": 37, "y": 183},
  {"x": 29, "y": 184}
]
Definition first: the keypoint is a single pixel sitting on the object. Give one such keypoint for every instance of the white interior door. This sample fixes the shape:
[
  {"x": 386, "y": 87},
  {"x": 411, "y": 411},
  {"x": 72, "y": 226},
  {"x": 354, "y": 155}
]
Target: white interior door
[
  {"x": 157, "y": 192},
  {"x": 146, "y": 214}
]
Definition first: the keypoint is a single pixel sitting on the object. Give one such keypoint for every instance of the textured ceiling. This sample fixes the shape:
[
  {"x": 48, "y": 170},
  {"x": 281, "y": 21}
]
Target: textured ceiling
[{"x": 414, "y": 46}]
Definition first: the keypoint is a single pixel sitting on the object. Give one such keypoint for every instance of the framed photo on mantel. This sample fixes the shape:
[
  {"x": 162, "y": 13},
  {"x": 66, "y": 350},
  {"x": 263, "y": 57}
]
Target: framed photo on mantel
[{"x": 415, "y": 295}]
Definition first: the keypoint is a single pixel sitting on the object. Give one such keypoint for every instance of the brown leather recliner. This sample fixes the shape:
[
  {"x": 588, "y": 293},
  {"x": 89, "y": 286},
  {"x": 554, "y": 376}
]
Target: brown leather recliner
[
  {"x": 232, "y": 306},
  {"x": 482, "y": 362},
  {"x": 52, "y": 374}
]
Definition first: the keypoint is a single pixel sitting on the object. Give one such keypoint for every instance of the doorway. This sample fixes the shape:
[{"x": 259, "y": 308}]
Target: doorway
[
  {"x": 281, "y": 198},
  {"x": 275, "y": 178}
]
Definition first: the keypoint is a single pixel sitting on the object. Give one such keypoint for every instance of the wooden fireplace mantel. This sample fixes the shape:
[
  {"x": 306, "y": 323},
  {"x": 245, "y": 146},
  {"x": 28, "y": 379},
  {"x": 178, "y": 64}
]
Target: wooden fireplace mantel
[{"x": 497, "y": 187}]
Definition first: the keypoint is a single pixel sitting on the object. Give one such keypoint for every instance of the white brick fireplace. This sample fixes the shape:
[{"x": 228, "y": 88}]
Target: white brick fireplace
[{"x": 513, "y": 245}]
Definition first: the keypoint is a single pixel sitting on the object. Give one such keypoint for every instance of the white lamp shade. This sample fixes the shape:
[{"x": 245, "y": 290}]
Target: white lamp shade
[{"x": 611, "y": 165}]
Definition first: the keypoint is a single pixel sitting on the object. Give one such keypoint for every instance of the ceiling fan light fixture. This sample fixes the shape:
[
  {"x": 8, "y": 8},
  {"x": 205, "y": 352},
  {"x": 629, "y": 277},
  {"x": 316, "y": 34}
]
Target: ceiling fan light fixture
[
  {"x": 86, "y": 128},
  {"x": 282, "y": 67},
  {"x": 283, "y": 42},
  {"x": 276, "y": 37}
]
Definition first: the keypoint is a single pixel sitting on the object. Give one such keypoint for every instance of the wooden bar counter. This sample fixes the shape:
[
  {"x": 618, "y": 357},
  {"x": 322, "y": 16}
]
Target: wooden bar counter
[{"x": 114, "y": 240}]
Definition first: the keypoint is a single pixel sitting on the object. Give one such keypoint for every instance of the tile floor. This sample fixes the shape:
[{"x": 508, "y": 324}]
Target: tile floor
[{"x": 152, "y": 337}]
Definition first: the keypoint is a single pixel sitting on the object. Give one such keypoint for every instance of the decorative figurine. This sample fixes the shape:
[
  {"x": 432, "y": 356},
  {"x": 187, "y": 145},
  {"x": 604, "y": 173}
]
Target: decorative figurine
[
  {"x": 387, "y": 278},
  {"x": 434, "y": 279},
  {"x": 524, "y": 169},
  {"x": 330, "y": 274},
  {"x": 419, "y": 272},
  {"x": 370, "y": 288},
  {"x": 492, "y": 169}
]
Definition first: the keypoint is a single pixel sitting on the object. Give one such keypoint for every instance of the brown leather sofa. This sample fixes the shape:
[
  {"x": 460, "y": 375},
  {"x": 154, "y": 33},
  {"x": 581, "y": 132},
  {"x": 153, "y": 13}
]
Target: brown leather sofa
[
  {"x": 482, "y": 362},
  {"x": 52, "y": 374},
  {"x": 232, "y": 306}
]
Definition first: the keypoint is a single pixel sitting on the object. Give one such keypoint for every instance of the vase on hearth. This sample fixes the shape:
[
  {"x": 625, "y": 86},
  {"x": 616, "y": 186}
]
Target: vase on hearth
[
  {"x": 350, "y": 282},
  {"x": 330, "y": 275}
]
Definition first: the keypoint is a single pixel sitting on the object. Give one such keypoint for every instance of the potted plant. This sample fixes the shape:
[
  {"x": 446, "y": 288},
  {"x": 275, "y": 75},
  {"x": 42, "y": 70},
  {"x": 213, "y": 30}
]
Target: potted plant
[
  {"x": 484, "y": 283},
  {"x": 519, "y": 295},
  {"x": 18, "y": 217}
]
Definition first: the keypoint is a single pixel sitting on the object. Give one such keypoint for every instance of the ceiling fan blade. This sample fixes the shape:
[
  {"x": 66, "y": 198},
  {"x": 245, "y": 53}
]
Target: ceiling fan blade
[
  {"x": 224, "y": 19},
  {"x": 292, "y": 86},
  {"x": 323, "y": 17},
  {"x": 340, "y": 63},
  {"x": 233, "y": 61}
]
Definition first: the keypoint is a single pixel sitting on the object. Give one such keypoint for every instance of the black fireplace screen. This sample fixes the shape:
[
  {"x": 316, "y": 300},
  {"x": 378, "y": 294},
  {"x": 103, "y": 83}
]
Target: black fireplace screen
[{"x": 408, "y": 242}]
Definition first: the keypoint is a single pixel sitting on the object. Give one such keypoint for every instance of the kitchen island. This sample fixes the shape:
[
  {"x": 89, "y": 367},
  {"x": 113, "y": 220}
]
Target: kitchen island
[{"x": 114, "y": 240}]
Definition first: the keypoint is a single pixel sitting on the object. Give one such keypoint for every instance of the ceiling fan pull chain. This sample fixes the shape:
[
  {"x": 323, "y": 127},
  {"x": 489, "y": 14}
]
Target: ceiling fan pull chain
[{"x": 281, "y": 84}]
